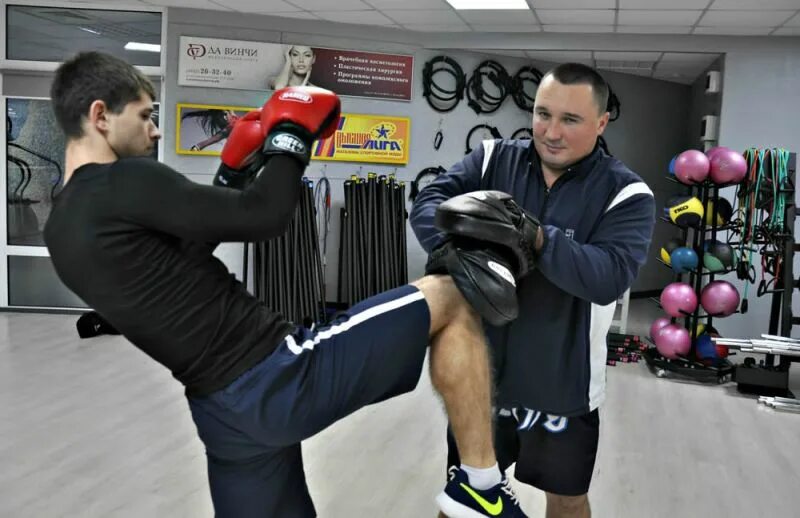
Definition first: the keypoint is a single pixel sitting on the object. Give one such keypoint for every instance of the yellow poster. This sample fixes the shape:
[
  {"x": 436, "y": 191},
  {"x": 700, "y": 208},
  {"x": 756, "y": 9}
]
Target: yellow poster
[
  {"x": 375, "y": 139},
  {"x": 202, "y": 129}
]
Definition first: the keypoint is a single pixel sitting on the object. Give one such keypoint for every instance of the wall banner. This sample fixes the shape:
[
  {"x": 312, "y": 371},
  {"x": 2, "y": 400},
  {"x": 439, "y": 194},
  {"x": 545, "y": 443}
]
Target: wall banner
[
  {"x": 376, "y": 139},
  {"x": 202, "y": 129},
  {"x": 249, "y": 65}
]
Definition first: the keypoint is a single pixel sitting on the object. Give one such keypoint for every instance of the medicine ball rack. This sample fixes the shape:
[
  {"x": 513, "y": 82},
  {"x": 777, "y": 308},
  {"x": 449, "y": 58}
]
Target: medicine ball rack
[
  {"x": 691, "y": 366},
  {"x": 769, "y": 376}
]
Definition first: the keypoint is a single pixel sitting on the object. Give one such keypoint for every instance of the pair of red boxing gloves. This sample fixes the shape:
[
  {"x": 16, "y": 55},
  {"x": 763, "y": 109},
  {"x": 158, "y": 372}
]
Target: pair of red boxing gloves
[{"x": 288, "y": 124}]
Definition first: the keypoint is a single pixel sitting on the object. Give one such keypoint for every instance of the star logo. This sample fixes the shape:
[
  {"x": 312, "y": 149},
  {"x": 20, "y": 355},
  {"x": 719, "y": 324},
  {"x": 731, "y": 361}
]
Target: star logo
[{"x": 382, "y": 132}]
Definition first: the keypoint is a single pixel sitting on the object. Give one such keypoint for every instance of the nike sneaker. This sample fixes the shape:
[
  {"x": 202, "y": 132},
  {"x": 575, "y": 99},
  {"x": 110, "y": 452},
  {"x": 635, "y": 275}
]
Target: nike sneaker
[{"x": 460, "y": 500}]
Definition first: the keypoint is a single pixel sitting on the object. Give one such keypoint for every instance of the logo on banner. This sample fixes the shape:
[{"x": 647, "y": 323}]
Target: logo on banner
[
  {"x": 196, "y": 50},
  {"x": 379, "y": 138},
  {"x": 376, "y": 139},
  {"x": 382, "y": 137}
]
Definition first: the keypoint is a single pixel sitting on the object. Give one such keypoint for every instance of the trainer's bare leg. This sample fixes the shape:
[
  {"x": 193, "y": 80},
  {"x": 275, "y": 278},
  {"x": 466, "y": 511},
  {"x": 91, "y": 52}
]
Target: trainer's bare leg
[
  {"x": 559, "y": 506},
  {"x": 459, "y": 369}
]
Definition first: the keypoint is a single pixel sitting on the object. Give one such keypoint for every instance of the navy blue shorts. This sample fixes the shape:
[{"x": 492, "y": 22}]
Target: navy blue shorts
[
  {"x": 555, "y": 454},
  {"x": 252, "y": 428}
]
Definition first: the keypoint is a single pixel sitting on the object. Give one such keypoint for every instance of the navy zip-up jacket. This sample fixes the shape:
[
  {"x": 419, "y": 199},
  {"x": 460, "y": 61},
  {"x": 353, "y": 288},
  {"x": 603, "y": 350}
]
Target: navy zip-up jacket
[{"x": 598, "y": 220}]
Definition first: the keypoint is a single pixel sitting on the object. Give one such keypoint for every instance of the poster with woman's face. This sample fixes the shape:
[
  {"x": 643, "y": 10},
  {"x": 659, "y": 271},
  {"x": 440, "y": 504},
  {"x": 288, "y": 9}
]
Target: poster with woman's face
[{"x": 250, "y": 65}]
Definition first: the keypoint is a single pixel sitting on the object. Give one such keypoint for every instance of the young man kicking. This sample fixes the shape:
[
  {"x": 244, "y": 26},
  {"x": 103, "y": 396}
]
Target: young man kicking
[{"x": 134, "y": 239}]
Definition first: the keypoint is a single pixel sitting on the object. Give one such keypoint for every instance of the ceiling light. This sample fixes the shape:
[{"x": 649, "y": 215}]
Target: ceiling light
[
  {"x": 488, "y": 5},
  {"x": 89, "y": 30},
  {"x": 147, "y": 47}
]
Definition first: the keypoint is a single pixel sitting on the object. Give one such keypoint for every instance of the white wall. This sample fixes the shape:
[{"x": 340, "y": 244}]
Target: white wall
[
  {"x": 424, "y": 120},
  {"x": 650, "y": 131},
  {"x": 760, "y": 108}
]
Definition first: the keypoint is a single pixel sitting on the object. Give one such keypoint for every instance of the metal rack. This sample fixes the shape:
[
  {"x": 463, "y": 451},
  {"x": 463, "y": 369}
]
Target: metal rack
[
  {"x": 770, "y": 377},
  {"x": 691, "y": 367}
]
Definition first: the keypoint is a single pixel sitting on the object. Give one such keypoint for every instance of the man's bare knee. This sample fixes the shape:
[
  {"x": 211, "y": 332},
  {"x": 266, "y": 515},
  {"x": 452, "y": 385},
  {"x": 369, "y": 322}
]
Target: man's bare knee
[{"x": 445, "y": 302}]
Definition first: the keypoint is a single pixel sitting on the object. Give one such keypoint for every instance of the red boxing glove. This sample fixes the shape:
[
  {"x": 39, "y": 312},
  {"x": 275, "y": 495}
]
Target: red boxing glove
[
  {"x": 294, "y": 117},
  {"x": 241, "y": 154}
]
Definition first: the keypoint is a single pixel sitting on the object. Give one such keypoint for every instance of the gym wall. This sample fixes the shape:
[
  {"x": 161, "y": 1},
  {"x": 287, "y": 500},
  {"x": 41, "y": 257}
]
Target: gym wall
[
  {"x": 703, "y": 103},
  {"x": 424, "y": 120},
  {"x": 649, "y": 132},
  {"x": 760, "y": 108},
  {"x": 653, "y": 126}
]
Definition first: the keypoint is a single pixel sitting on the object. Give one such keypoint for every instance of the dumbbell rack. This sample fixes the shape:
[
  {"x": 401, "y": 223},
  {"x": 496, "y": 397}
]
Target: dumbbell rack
[
  {"x": 692, "y": 367},
  {"x": 770, "y": 377}
]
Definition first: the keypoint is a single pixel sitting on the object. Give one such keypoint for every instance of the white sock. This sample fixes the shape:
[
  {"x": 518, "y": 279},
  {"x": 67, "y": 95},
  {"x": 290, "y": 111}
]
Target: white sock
[{"x": 482, "y": 478}]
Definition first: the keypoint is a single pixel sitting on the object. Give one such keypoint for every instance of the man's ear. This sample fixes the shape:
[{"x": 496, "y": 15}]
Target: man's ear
[
  {"x": 98, "y": 115},
  {"x": 601, "y": 127}
]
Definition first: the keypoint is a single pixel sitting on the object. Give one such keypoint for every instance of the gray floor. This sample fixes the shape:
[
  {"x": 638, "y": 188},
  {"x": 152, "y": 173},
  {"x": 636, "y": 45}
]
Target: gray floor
[{"x": 93, "y": 428}]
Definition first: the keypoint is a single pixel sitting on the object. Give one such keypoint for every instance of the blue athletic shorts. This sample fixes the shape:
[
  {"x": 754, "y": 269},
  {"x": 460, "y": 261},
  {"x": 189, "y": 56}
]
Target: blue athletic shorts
[
  {"x": 252, "y": 428},
  {"x": 555, "y": 454}
]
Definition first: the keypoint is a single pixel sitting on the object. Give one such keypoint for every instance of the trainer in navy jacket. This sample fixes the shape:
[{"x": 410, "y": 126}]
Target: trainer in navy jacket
[{"x": 598, "y": 220}]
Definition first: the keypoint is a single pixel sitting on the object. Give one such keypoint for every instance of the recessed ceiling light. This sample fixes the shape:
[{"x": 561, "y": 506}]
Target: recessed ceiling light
[
  {"x": 147, "y": 47},
  {"x": 488, "y": 5}
]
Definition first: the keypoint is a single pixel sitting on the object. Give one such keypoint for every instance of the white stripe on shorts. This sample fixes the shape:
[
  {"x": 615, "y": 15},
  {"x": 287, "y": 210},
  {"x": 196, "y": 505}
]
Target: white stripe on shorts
[{"x": 353, "y": 321}]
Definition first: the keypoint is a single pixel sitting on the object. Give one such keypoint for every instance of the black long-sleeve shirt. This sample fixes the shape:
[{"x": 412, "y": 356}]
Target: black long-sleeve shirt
[{"x": 134, "y": 239}]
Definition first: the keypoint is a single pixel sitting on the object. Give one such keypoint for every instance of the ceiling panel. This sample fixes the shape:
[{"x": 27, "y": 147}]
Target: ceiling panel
[
  {"x": 578, "y": 28},
  {"x": 724, "y": 17},
  {"x": 326, "y": 5},
  {"x": 512, "y": 53},
  {"x": 559, "y": 55},
  {"x": 302, "y": 15},
  {"x": 668, "y": 4},
  {"x": 362, "y": 17},
  {"x": 199, "y": 4},
  {"x": 427, "y": 16},
  {"x": 488, "y": 27},
  {"x": 409, "y": 4},
  {"x": 794, "y": 21},
  {"x": 745, "y": 18},
  {"x": 787, "y": 31},
  {"x": 653, "y": 17},
  {"x": 573, "y": 4},
  {"x": 423, "y": 27},
  {"x": 734, "y": 31},
  {"x": 254, "y": 6},
  {"x": 688, "y": 57},
  {"x": 625, "y": 56},
  {"x": 653, "y": 29},
  {"x": 498, "y": 17},
  {"x": 754, "y": 5},
  {"x": 576, "y": 17}
]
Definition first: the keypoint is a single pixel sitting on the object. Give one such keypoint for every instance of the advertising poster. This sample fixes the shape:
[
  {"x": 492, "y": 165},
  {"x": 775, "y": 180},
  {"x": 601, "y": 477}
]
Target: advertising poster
[
  {"x": 375, "y": 139},
  {"x": 203, "y": 128},
  {"x": 248, "y": 65}
]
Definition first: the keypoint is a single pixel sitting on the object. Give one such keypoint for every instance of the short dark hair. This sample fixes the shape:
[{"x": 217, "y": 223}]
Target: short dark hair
[
  {"x": 579, "y": 74},
  {"x": 92, "y": 76}
]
